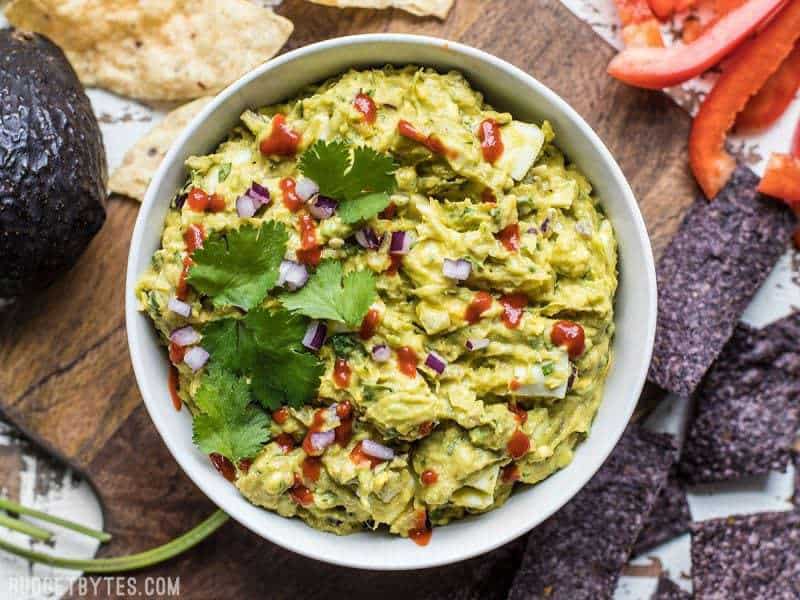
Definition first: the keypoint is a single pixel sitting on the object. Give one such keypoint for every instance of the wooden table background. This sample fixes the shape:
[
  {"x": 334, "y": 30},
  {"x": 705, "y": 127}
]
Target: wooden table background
[{"x": 65, "y": 373}]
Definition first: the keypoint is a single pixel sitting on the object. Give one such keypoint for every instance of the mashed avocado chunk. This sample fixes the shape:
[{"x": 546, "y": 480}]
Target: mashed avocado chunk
[{"x": 386, "y": 303}]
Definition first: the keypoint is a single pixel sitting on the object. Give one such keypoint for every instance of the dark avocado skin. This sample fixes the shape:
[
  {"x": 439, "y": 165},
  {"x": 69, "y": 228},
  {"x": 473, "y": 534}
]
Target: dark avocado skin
[{"x": 52, "y": 164}]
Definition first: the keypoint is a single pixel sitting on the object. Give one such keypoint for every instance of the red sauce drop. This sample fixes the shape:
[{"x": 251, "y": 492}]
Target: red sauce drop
[
  {"x": 395, "y": 260},
  {"x": 282, "y": 140},
  {"x": 509, "y": 237},
  {"x": 425, "y": 428},
  {"x": 310, "y": 251},
  {"x": 570, "y": 335},
  {"x": 197, "y": 199},
  {"x": 245, "y": 464},
  {"x": 518, "y": 445},
  {"x": 285, "y": 441},
  {"x": 290, "y": 198},
  {"x": 479, "y": 305},
  {"x": 366, "y": 106},
  {"x": 182, "y": 289},
  {"x": 491, "y": 140},
  {"x": 344, "y": 432},
  {"x": 520, "y": 414},
  {"x": 312, "y": 467},
  {"x": 429, "y": 477},
  {"x": 344, "y": 409},
  {"x": 300, "y": 493},
  {"x": 513, "y": 309},
  {"x": 341, "y": 373},
  {"x": 407, "y": 361},
  {"x": 431, "y": 142},
  {"x": 173, "y": 384},
  {"x": 488, "y": 196},
  {"x": 311, "y": 256},
  {"x": 216, "y": 203},
  {"x": 510, "y": 473},
  {"x": 193, "y": 237},
  {"x": 369, "y": 324},
  {"x": 281, "y": 415},
  {"x": 316, "y": 425},
  {"x": 223, "y": 465},
  {"x": 358, "y": 456},
  {"x": 514, "y": 385},
  {"x": 176, "y": 353},
  {"x": 389, "y": 212},
  {"x": 421, "y": 534}
]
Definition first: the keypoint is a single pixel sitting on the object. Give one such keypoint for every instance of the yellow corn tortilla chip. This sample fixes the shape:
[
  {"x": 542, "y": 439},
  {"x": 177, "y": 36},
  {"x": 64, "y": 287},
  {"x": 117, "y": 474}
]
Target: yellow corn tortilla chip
[
  {"x": 133, "y": 175},
  {"x": 422, "y": 8},
  {"x": 156, "y": 49}
]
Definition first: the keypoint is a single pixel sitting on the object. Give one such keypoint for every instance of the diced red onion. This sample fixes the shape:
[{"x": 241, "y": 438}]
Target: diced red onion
[
  {"x": 436, "y": 362},
  {"x": 292, "y": 274},
  {"x": 185, "y": 336},
  {"x": 377, "y": 450},
  {"x": 258, "y": 193},
  {"x": 401, "y": 242},
  {"x": 196, "y": 357},
  {"x": 179, "y": 307},
  {"x": 306, "y": 188},
  {"x": 322, "y": 439},
  {"x": 322, "y": 207},
  {"x": 367, "y": 238},
  {"x": 477, "y": 344},
  {"x": 315, "y": 335},
  {"x": 246, "y": 207},
  {"x": 545, "y": 225},
  {"x": 456, "y": 269},
  {"x": 381, "y": 353}
]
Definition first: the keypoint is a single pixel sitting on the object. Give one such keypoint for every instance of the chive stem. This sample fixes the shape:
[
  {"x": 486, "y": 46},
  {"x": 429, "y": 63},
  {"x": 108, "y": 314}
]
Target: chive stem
[
  {"x": 14, "y": 507},
  {"x": 125, "y": 563},
  {"x": 28, "y": 529}
]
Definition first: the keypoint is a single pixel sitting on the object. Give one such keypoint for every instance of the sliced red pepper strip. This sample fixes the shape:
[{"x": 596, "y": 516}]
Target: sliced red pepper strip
[
  {"x": 782, "y": 179},
  {"x": 656, "y": 68},
  {"x": 639, "y": 25},
  {"x": 771, "y": 102},
  {"x": 745, "y": 74}
]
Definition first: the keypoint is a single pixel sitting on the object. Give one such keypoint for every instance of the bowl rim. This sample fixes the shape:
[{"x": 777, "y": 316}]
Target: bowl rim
[{"x": 137, "y": 347}]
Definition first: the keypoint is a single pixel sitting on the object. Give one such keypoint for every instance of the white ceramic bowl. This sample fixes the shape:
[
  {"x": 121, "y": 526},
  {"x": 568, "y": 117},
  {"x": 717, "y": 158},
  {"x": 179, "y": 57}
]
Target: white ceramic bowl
[{"x": 506, "y": 88}]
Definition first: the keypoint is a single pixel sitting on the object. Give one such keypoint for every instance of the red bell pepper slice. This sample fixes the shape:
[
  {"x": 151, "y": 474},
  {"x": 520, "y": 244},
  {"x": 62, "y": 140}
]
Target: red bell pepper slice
[
  {"x": 656, "y": 68},
  {"x": 639, "y": 26},
  {"x": 771, "y": 102},
  {"x": 744, "y": 76},
  {"x": 782, "y": 179}
]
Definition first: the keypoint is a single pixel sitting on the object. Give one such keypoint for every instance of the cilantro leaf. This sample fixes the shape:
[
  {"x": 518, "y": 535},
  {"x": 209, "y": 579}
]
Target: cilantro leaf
[
  {"x": 266, "y": 346},
  {"x": 224, "y": 171},
  {"x": 328, "y": 296},
  {"x": 345, "y": 345},
  {"x": 239, "y": 267},
  {"x": 361, "y": 180},
  {"x": 227, "y": 423}
]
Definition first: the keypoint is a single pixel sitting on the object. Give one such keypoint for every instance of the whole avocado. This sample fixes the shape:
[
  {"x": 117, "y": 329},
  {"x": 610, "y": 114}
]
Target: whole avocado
[{"x": 52, "y": 164}]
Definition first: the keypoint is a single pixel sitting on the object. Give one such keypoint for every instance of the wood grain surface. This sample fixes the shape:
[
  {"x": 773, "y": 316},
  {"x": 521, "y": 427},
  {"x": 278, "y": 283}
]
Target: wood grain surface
[{"x": 65, "y": 374}]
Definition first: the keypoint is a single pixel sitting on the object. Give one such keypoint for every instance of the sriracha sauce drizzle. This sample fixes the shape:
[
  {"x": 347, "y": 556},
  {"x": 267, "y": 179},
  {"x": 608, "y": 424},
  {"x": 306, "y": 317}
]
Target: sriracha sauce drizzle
[
  {"x": 513, "y": 308},
  {"x": 290, "y": 198},
  {"x": 407, "y": 361},
  {"x": 570, "y": 335},
  {"x": 173, "y": 387},
  {"x": 509, "y": 237},
  {"x": 369, "y": 324},
  {"x": 431, "y": 142},
  {"x": 479, "y": 305},
  {"x": 223, "y": 465},
  {"x": 282, "y": 140},
  {"x": 366, "y": 106},
  {"x": 341, "y": 373},
  {"x": 491, "y": 141}
]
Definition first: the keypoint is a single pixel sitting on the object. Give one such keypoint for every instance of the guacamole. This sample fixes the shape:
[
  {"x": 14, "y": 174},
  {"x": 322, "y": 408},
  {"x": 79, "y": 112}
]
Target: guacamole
[{"x": 386, "y": 303}]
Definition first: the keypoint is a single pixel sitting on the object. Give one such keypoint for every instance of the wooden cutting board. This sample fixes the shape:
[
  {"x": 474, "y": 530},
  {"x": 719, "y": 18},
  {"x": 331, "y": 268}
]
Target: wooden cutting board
[{"x": 66, "y": 378}]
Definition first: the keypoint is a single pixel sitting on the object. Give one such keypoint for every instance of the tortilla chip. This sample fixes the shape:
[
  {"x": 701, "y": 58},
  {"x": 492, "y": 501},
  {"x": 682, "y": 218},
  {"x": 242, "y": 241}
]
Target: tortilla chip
[
  {"x": 157, "y": 50},
  {"x": 669, "y": 518},
  {"x": 141, "y": 160},
  {"x": 709, "y": 273},
  {"x": 669, "y": 590},
  {"x": 747, "y": 408},
  {"x": 579, "y": 552},
  {"x": 753, "y": 556},
  {"x": 421, "y": 8}
]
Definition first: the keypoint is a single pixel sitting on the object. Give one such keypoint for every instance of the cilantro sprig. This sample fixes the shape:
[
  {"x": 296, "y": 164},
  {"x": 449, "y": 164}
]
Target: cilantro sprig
[
  {"x": 360, "y": 178},
  {"x": 266, "y": 347},
  {"x": 238, "y": 268},
  {"x": 227, "y": 423},
  {"x": 329, "y": 295}
]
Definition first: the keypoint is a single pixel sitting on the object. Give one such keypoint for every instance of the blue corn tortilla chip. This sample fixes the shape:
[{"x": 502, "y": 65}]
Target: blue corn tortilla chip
[
  {"x": 578, "y": 553},
  {"x": 754, "y": 556},
  {"x": 711, "y": 269},
  {"x": 747, "y": 409},
  {"x": 669, "y": 590},
  {"x": 669, "y": 518}
]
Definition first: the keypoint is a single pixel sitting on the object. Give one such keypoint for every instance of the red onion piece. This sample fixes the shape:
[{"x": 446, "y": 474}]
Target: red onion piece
[
  {"x": 258, "y": 193},
  {"x": 179, "y": 307},
  {"x": 292, "y": 274},
  {"x": 367, "y": 238},
  {"x": 246, "y": 207},
  {"x": 306, "y": 188},
  {"x": 322, "y": 207},
  {"x": 435, "y": 362},
  {"x": 401, "y": 242},
  {"x": 315, "y": 335},
  {"x": 381, "y": 353},
  {"x": 477, "y": 344},
  {"x": 456, "y": 269},
  {"x": 377, "y": 450},
  {"x": 322, "y": 439},
  {"x": 196, "y": 357},
  {"x": 185, "y": 336}
]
